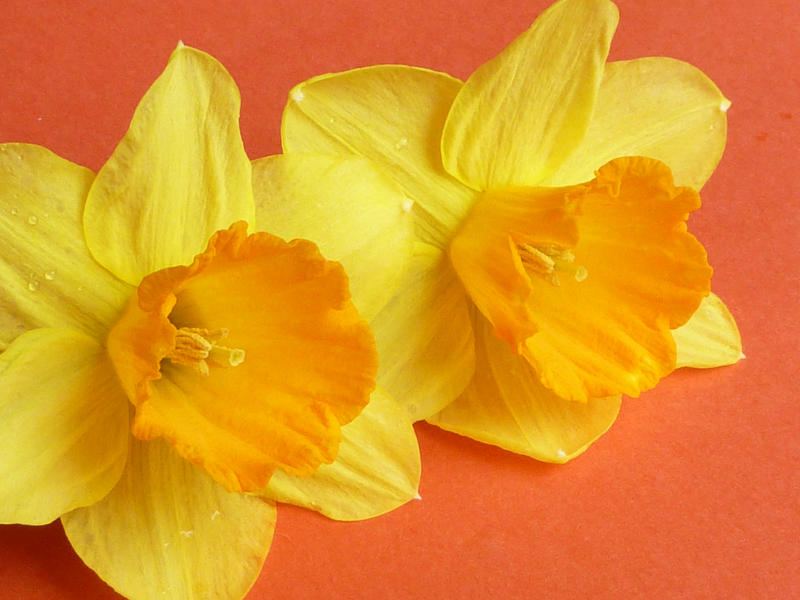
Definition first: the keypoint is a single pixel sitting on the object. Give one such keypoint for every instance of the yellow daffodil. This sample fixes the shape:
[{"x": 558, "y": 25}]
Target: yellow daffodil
[
  {"x": 549, "y": 276},
  {"x": 166, "y": 376}
]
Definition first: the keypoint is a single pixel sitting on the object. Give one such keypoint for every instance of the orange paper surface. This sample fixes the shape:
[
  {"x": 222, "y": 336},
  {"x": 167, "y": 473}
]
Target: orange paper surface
[{"x": 694, "y": 491}]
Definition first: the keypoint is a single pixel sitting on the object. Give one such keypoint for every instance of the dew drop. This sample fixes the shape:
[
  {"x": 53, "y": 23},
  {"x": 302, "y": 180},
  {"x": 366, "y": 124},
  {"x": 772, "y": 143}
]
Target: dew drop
[
  {"x": 33, "y": 285},
  {"x": 50, "y": 275},
  {"x": 33, "y": 220},
  {"x": 14, "y": 211},
  {"x": 401, "y": 143}
]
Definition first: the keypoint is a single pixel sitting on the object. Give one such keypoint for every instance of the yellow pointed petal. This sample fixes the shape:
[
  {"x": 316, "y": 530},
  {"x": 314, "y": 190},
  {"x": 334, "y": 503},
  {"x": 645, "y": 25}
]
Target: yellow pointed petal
[
  {"x": 392, "y": 115},
  {"x": 179, "y": 174},
  {"x": 710, "y": 338},
  {"x": 424, "y": 336},
  {"x": 506, "y": 405},
  {"x": 355, "y": 213},
  {"x": 520, "y": 115},
  {"x": 377, "y": 468},
  {"x": 167, "y": 530},
  {"x": 47, "y": 275},
  {"x": 63, "y": 425},
  {"x": 658, "y": 107}
]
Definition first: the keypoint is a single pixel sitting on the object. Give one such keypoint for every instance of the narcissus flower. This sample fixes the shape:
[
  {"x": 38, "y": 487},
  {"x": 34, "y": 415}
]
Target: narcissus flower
[
  {"x": 549, "y": 276},
  {"x": 136, "y": 302}
]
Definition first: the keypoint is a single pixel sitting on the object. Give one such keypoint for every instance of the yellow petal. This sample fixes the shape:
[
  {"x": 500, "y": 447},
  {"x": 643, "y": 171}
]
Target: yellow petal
[
  {"x": 506, "y": 405},
  {"x": 63, "y": 425},
  {"x": 377, "y": 468},
  {"x": 266, "y": 358},
  {"x": 355, "y": 213},
  {"x": 710, "y": 338},
  {"x": 658, "y": 107},
  {"x": 179, "y": 174},
  {"x": 392, "y": 115},
  {"x": 167, "y": 530},
  {"x": 424, "y": 336},
  {"x": 47, "y": 276},
  {"x": 520, "y": 115}
]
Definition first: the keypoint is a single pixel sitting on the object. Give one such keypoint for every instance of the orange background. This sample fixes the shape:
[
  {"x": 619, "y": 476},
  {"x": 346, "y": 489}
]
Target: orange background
[{"x": 694, "y": 491}]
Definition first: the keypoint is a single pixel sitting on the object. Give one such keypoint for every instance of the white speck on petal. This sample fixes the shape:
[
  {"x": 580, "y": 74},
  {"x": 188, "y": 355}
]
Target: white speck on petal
[
  {"x": 187, "y": 533},
  {"x": 50, "y": 275},
  {"x": 560, "y": 453},
  {"x": 407, "y": 205},
  {"x": 298, "y": 95},
  {"x": 401, "y": 143},
  {"x": 215, "y": 514}
]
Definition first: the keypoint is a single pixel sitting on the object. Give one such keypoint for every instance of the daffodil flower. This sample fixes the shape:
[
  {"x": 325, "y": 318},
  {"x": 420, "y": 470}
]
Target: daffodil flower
[
  {"x": 550, "y": 276},
  {"x": 165, "y": 375}
]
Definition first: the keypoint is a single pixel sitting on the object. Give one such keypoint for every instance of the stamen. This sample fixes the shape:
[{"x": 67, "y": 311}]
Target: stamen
[
  {"x": 196, "y": 348},
  {"x": 548, "y": 261}
]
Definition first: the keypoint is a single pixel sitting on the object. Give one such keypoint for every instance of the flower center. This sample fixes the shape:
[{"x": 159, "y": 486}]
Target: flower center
[
  {"x": 548, "y": 261},
  {"x": 196, "y": 347}
]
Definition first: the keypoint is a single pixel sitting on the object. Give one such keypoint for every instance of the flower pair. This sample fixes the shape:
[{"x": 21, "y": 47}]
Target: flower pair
[{"x": 519, "y": 260}]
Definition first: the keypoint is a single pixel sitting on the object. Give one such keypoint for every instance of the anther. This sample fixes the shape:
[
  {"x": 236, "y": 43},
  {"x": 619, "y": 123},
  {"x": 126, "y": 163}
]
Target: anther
[{"x": 196, "y": 348}]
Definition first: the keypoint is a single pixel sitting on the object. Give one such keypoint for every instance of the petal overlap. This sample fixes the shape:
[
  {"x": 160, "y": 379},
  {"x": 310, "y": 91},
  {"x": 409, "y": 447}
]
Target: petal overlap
[
  {"x": 47, "y": 275},
  {"x": 352, "y": 210},
  {"x": 64, "y": 438},
  {"x": 179, "y": 174},
  {"x": 376, "y": 469},
  {"x": 521, "y": 114},
  {"x": 167, "y": 530},
  {"x": 506, "y": 405}
]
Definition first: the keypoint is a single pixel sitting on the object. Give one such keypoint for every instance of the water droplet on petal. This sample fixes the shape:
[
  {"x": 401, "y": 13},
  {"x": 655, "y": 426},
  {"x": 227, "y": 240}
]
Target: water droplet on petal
[
  {"x": 297, "y": 95},
  {"x": 33, "y": 220},
  {"x": 401, "y": 143},
  {"x": 407, "y": 205},
  {"x": 14, "y": 211},
  {"x": 187, "y": 533},
  {"x": 50, "y": 275},
  {"x": 33, "y": 285}
]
